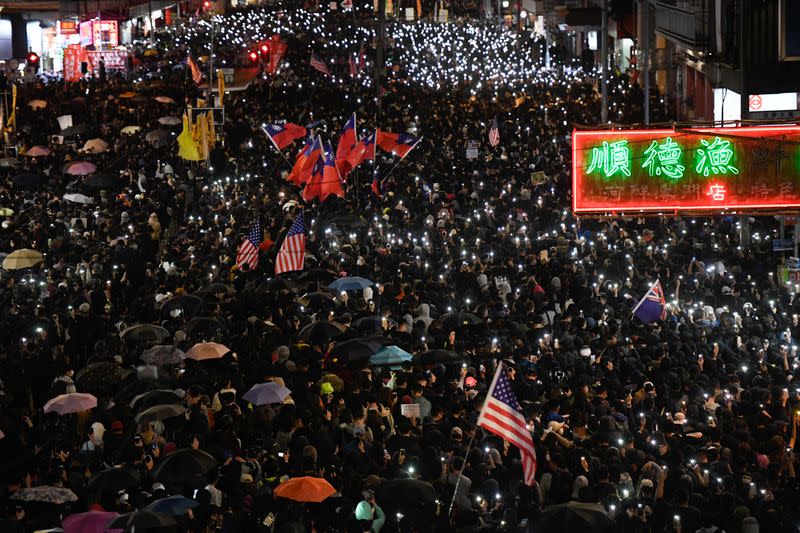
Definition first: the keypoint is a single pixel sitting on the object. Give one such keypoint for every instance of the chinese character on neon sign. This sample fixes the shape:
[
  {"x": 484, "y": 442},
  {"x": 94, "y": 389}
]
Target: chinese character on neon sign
[
  {"x": 611, "y": 159},
  {"x": 664, "y": 159},
  {"x": 716, "y": 192},
  {"x": 715, "y": 157}
]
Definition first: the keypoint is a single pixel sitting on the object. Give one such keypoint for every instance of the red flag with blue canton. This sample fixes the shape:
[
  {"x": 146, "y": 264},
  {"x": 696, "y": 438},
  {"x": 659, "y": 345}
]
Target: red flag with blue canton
[
  {"x": 365, "y": 149},
  {"x": 282, "y": 135},
  {"x": 502, "y": 415},
  {"x": 306, "y": 159},
  {"x": 347, "y": 143},
  {"x": 248, "y": 250},
  {"x": 399, "y": 144},
  {"x": 653, "y": 306},
  {"x": 331, "y": 183},
  {"x": 313, "y": 187}
]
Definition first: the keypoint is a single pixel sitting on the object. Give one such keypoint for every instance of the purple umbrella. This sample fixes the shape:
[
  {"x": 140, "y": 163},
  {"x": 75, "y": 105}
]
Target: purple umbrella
[
  {"x": 80, "y": 168},
  {"x": 91, "y": 522},
  {"x": 264, "y": 393},
  {"x": 70, "y": 403}
]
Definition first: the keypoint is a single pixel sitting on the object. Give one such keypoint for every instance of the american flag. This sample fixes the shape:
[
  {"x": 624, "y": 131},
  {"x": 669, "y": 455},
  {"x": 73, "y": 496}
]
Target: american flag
[
  {"x": 494, "y": 134},
  {"x": 353, "y": 67},
  {"x": 502, "y": 415},
  {"x": 319, "y": 65},
  {"x": 292, "y": 254},
  {"x": 248, "y": 250}
]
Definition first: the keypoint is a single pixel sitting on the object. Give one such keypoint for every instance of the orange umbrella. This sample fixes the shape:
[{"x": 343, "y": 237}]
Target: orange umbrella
[
  {"x": 305, "y": 489},
  {"x": 207, "y": 350}
]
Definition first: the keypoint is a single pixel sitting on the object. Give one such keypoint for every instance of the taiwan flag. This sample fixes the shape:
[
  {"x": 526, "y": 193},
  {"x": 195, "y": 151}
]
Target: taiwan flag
[
  {"x": 364, "y": 149},
  {"x": 399, "y": 144},
  {"x": 282, "y": 135},
  {"x": 304, "y": 164},
  {"x": 347, "y": 143},
  {"x": 331, "y": 179},
  {"x": 652, "y": 307},
  {"x": 313, "y": 187}
]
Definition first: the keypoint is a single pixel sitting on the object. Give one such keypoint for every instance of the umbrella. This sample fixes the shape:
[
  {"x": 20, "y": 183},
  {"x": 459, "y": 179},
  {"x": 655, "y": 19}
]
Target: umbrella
[
  {"x": 144, "y": 332},
  {"x": 45, "y": 494},
  {"x": 76, "y": 198},
  {"x": 70, "y": 403},
  {"x": 139, "y": 520},
  {"x": 6, "y": 212},
  {"x": 165, "y": 100},
  {"x": 370, "y": 323},
  {"x": 98, "y": 378},
  {"x": 162, "y": 355},
  {"x": 217, "y": 288},
  {"x": 161, "y": 412},
  {"x": 357, "y": 349},
  {"x": 112, "y": 480},
  {"x": 305, "y": 489},
  {"x": 321, "y": 331},
  {"x": 457, "y": 320},
  {"x": 575, "y": 516},
  {"x": 183, "y": 465},
  {"x": 72, "y": 131},
  {"x": 437, "y": 356},
  {"x": 352, "y": 283},
  {"x": 315, "y": 299},
  {"x": 202, "y": 326},
  {"x": 390, "y": 355},
  {"x": 101, "y": 181},
  {"x": 22, "y": 258},
  {"x": 91, "y": 522},
  {"x": 95, "y": 146},
  {"x": 317, "y": 274},
  {"x": 265, "y": 393},
  {"x": 156, "y": 397},
  {"x": 127, "y": 94},
  {"x": 170, "y": 121},
  {"x": 414, "y": 498},
  {"x": 176, "y": 505},
  {"x": 37, "y": 104},
  {"x": 79, "y": 168},
  {"x": 130, "y": 130},
  {"x": 37, "y": 151},
  {"x": 276, "y": 284},
  {"x": 28, "y": 180},
  {"x": 353, "y": 221},
  {"x": 158, "y": 138},
  {"x": 187, "y": 303},
  {"x": 336, "y": 382},
  {"x": 207, "y": 350}
]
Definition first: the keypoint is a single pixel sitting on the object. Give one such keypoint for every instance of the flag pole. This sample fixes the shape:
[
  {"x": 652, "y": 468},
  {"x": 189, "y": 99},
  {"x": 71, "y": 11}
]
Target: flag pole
[
  {"x": 276, "y": 146},
  {"x": 619, "y": 329},
  {"x": 460, "y": 474},
  {"x": 399, "y": 160}
]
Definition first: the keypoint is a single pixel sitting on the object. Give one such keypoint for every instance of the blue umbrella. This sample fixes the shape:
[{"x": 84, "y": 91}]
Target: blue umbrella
[
  {"x": 264, "y": 393},
  {"x": 390, "y": 355},
  {"x": 173, "y": 505},
  {"x": 350, "y": 284}
]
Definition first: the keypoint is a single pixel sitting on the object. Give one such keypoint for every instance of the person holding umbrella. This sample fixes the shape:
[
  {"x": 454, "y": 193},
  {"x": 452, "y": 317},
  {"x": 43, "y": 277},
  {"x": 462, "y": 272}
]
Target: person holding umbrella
[{"x": 369, "y": 514}]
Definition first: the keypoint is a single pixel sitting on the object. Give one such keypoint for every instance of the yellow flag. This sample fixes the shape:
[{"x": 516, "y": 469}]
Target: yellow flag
[
  {"x": 221, "y": 86},
  {"x": 187, "y": 146},
  {"x": 12, "y": 119},
  {"x": 212, "y": 134}
]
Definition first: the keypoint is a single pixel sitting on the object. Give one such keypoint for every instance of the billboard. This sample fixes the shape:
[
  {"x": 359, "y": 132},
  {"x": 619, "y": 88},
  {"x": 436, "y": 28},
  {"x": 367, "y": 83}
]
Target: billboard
[{"x": 742, "y": 169}]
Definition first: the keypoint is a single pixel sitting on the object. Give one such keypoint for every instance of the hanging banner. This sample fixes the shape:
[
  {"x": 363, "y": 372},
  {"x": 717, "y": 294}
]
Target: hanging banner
[
  {"x": 276, "y": 50},
  {"x": 745, "y": 169}
]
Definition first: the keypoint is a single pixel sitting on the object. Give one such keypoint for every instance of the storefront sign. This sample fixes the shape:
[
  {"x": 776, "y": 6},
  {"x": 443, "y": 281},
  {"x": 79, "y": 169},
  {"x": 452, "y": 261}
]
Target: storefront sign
[{"x": 698, "y": 170}]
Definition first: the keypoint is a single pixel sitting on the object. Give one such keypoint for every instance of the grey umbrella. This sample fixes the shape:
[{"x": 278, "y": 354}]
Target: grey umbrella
[
  {"x": 161, "y": 412},
  {"x": 162, "y": 355},
  {"x": 144, "y": 332},
  {"x": 159, "y": 138}
]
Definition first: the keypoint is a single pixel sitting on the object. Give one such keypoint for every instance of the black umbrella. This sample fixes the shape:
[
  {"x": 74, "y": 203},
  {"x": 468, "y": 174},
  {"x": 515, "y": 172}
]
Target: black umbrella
[
  {"x": 113, "y": 480},
  {"x": 317, "y": 274},
  {"x": 574, "y": 516},
  {"x": 357, "y": 349},
  {"x": 415, "y": 500},
  {"x": 161, "y": 412},
  {"x": 28, "y": 180},
  {"x": 352, "y": 221},
  {"x": 156, "y": 397},
  {"x": 368, "y": 324},
  {"x": 72, "y": 131},
  {"x": 316, "y": 299},
  {"x": 183, "y": 465},
  {"x": 144, "y": 333},
  {"x": 98, "y": 378},
  {"x": 202, "y": 326},
  {"x": 277, "y": 284},
  {"x": 437, "y": 356},
  {"x": 458, "y": 320},
  {"x": 187, "y": 303},
  {"x": 102, "y": 181},
  {"x": 140, "y": 520},
  {"x": 216, "y": 288},
  {"x": 321, "y": 331}
]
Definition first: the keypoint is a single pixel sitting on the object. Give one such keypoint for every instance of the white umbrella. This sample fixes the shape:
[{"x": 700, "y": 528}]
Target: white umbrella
[
  {"x": 130, "y": 130},
  {"x": 169, "y": 121},
  {"x": 164, "y": 99},
  {"x": 37, "y": 104},
  {"x": 96, "y": 146},
  {"x": 78, "y": 198},
  {"x": 22, "y": 258}
]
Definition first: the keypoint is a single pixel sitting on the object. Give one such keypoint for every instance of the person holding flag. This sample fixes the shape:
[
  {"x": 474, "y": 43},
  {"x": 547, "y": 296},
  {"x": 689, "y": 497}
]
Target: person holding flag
[
  {"x": 319, "y": 65},
  {"x": 248, "y": 250},
  {"x": 292, "y": 254},
  {"x": 494, "y": 134},
  {"x": 347, "y": 144},
  {"x": 282, "y": 135},
  {"x": 305, "y": 161},
  {"x": 399, "y": 144},
  {"x": 653, "y": 306}
]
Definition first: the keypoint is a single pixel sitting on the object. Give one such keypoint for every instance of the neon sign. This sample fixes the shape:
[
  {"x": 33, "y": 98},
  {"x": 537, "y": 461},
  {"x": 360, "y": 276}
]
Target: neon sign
[{"x": 695, "y": 170}]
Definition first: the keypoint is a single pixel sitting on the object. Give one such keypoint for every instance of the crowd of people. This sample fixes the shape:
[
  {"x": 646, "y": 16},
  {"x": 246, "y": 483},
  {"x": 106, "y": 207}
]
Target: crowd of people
[{"x": 688, "y": 424}]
